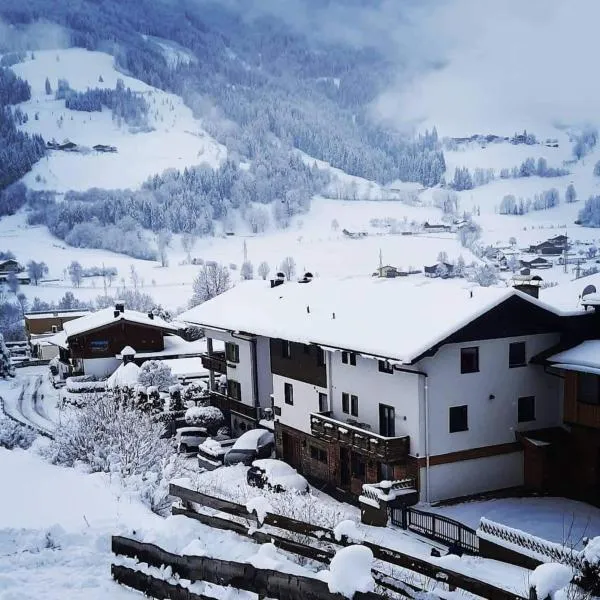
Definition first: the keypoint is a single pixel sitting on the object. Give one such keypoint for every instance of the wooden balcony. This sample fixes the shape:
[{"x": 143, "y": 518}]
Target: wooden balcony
[
  {"x": 216, "y": 362},
  {"x": 227, "y": 404},
  {"x": 387, "y": 449}
]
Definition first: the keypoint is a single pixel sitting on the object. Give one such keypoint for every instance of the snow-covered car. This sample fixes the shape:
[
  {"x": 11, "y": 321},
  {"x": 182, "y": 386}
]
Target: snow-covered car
[
  {"x": 276, "y": 475},
  {"x": 256, "y": 443},
  {"x": 189, "y": 438},
  {"x": 212, "y": 451}
]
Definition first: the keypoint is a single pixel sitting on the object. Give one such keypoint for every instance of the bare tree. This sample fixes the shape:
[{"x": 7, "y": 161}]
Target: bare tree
[
  {"x": 335, "y": 225},
  {"x": 263, "y": 269},
  {"x": 288, "y": 267},
  {"x": 212, "y": 280},
  {"x": 134, "y": 276},
  {"x": 75, "y": 273}
]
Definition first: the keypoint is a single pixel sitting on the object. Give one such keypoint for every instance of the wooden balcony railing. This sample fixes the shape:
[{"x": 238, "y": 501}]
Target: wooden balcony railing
[
  {"x": 216, "y": 362},
  {"x": 228, "y": 404},
  {"x": 362, "y": 440}
]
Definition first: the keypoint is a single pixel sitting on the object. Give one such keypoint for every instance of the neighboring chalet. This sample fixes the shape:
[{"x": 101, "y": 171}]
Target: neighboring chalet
[
  {"x": 41, "y": 325},
  {"x": 387, "y": 271},
  {"x": 11, "y": 267},
  {"x": 439, "y": 270},
  {"x": 436, "y": 227},
  {"x": 536, "y": 263},
  {"x": 554, "y": 246},
  {"x": 372, "y": 380},
  {"x": 93, "y": 344}
]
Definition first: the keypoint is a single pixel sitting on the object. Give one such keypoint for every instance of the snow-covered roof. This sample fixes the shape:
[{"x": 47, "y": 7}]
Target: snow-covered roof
[
  {"x": 567, "y": 296},
  {"x": 186, "y": 367},
  {"x": 389, "y": 318},
  {"x": 74, "y": 314},
  {"x": 106, "y": 316},
  {"x": 177, "y": 346},
  {"x": 128, "y": 351},
  {"x": 58, "y": 339},
  {"x": 125, "y": 375},
  {"x": 585, "y": 357}
]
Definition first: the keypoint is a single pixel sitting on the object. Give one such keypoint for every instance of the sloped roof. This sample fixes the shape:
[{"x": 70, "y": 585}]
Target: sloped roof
[
  {"x": 391, "y": 318},
  {"x": 106, "y": 316}
]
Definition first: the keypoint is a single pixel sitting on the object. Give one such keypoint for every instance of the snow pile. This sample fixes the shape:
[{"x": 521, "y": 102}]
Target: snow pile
[
  {"x": 550, "y": 578},
  {"x": 268, "y": 557},
  {"x": 350, "y": 571},
  {"x": 591, "y": 552},
  {"x": 348, "y": 529},
  {"x": 259, "y": 505},
  {"x": 212, "y": 447},
  {"x": 125, "y": 376},
  {"x": 194, "y": 548},
  {"x": 280, "y": 473}
]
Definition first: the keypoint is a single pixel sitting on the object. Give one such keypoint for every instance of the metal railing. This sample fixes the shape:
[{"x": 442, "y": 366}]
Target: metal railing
[{"x": 437, "y": 527}]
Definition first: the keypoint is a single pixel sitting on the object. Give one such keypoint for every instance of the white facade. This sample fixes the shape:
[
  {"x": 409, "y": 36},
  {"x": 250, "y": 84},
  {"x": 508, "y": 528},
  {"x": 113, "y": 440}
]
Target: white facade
[
  {"x": 305, "y": 401},
  {"x": 491, "y": 394},
  {"x": 398, "y": 389},
  {"x": 253, "y": 371}
]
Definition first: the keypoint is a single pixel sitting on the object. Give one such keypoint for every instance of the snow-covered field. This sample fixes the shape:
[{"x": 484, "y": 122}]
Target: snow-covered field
[{"x": 177, "y": 140}]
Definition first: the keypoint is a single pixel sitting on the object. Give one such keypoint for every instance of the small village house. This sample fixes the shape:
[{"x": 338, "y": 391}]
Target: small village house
[{"x": 40, "y": 325}]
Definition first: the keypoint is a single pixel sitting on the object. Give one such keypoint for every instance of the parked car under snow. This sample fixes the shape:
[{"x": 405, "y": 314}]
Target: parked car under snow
[
  {"x": 276, "y": 476},
  {"x": 256, "y": 443}
]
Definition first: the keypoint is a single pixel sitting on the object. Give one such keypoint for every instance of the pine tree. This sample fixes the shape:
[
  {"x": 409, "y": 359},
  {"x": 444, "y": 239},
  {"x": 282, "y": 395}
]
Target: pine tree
[
  {"x": 6, "y": 368},
  {"x": 570, "y": 194},
  {"x": 48, "y": 87}
]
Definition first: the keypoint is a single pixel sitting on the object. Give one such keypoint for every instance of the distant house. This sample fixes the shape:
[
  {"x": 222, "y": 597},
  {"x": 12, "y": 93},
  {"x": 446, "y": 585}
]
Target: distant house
[
  {"x": 41, "y": 325},
  {"x": 435, "y": 270},
  {"x": 355, "y": 235},
  {"x": 386, "y": 271},
  {"x": 536, "y": 263},
  {"x": 104, "y": 148},
  {"x": 11, "y": 267},
  {"x": 436, "y": 227},
  {"x": 554, "y": 246}
]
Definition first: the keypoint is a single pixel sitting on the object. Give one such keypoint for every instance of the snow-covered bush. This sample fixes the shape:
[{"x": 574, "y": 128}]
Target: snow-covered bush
[
  {"x": 205, "y": 416},
  {"x": 350, "y": 571},
  {"x": 85, "y": 383},
  {"x": 15, "y": 435},
  {"x": 175, "y": 399},
  {"x": 157, "y": 374},
  {"x": 113, "y": 436},
  {"x": 590, "y": 573},
  {"x": 550, "y": 578},
  {"x": 194, "y": 391}
]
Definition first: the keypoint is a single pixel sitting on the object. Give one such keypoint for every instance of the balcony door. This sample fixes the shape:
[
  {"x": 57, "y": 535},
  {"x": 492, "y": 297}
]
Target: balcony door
[{"x": 387, "y": 420}]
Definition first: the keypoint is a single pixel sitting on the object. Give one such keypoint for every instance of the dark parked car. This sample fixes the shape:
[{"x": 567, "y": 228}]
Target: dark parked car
[
  {"x": 276, "y": 476},
  {"x": 256, "y": 443}
]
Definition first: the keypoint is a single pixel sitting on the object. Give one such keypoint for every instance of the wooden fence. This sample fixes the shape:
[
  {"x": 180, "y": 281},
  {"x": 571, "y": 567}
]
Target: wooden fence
[
  {"x": 437, "y": 527},
  {"x": 243, "y": 576},
  {"x": 325, "y": 535}
]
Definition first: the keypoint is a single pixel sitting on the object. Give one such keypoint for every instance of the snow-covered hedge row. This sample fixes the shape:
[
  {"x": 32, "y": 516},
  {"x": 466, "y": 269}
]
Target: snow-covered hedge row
[
  {"x": 85, "y": 383},
  {"x": 15, "y": 435}
]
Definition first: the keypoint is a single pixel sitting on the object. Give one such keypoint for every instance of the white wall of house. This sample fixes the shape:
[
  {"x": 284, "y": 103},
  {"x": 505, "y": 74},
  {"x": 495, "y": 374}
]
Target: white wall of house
[
  {"x": 263, "y": 365},
  {"x": 491, "y": 421},
  {"x": 398, "y": 389},
  {"x": 242, "y": 371},
  {"x": 306, "y": 401},
  {"x": 100, "y": 367},
  {"x": 472, "y": 476}
]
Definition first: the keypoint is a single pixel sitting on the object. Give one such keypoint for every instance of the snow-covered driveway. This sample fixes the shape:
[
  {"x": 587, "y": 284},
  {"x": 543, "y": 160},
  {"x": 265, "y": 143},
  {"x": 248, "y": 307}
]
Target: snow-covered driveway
[{"x": 30, "y": 399}]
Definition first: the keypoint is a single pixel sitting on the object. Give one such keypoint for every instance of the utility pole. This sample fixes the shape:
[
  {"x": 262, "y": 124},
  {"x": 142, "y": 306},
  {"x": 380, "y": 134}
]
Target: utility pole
[
  {"x": 245, "y": 251},
  {"x": 380, "y": 260},
  {"x": 566, "y": 248}
]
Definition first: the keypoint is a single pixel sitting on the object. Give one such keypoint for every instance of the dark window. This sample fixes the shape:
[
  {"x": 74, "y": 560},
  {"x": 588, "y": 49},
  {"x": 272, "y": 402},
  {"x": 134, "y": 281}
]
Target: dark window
[
  {"x": 277, "y": 411},
  {"x": 99, "y": 345},
  {"x": 288, "y": 393},
  {"x": 232, "y": 352},
  {"x": 286, "y": 350},
  {"x": 354, "y": 405},
  {"x": 322, "y": 402},
  {"x": 526, "y": 409},
  {"x": 517, "y": 356},
  {"x": 349, "y": 358},
  {"x": 588, "y": 388},
  {"x": 469, "y": 360},
  {"x": 318, "y": 454},
  {"x": 385, "y": 367},
  {"x": 385, "y": 472},
  {"x": 234, "y": 389},
  {"x": 459, "y": 418},
  {"x": 346, "y": 403},
  {"x": 387, "y": 421},
  {"x": 357, "y": 465},
  {"x": 320, "y": 357}
]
